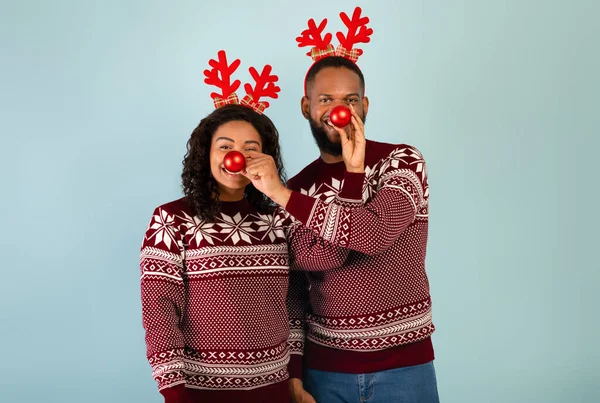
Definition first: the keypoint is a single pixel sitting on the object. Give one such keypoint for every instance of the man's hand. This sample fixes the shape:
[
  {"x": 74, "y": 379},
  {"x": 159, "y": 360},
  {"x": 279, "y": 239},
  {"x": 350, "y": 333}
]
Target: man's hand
[
  {"x": 353, "y": 144},
  {"x": 299, "y": 395}
]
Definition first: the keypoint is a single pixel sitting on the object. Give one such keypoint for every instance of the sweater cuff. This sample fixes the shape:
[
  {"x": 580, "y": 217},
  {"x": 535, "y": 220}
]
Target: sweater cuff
[
  {"x": 295, "y": 366},
  {"x": 300, "y": 206},
  {"x": 351, "y": 191},
  {"x": 175, "y": 394}
]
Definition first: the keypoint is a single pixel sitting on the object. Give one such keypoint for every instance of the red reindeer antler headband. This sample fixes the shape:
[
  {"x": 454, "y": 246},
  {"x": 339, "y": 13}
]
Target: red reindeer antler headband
[
  {"x": 358, "y": 32},
  {"x": 264, "y": 84}
]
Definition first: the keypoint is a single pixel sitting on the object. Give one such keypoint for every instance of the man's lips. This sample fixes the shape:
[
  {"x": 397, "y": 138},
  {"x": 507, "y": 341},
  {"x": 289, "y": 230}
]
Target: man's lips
[{"x": 327, "y": 121}]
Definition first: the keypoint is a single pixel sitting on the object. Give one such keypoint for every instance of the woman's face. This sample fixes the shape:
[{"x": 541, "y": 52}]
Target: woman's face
[{"x": 239, "y": 136}]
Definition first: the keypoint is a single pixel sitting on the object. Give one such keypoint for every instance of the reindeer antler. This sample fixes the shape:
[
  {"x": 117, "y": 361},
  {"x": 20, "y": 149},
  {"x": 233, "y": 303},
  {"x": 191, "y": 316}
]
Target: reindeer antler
[
  {"x": 224, "y": 83},
  {"x": 312, "y": 36},
  {"x": 358, "y": 32},
  {"x": 264, "y": 87}
]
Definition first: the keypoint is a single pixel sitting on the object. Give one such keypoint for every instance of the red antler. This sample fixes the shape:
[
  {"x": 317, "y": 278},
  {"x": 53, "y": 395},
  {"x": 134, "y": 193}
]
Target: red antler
[
  {"x": 312, "y": 36},
  {"x": 224, "y": 82},
  {"x": 265, "y": 85},
  {"x": 357, "y": 30}
]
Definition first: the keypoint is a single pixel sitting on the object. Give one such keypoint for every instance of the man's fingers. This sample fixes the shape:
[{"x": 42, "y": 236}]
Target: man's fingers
[
  {"x": 358, "y": 131},
  {"x": 358, "y": 119},
  {"x": 344, "y": 138}
]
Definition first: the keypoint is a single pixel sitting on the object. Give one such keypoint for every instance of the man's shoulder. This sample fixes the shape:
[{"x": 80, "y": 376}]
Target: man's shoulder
[
  {"x": 379, "y": 150},
  {"x": 306, "y": 174},
  {"x": 386, "y": 160}
]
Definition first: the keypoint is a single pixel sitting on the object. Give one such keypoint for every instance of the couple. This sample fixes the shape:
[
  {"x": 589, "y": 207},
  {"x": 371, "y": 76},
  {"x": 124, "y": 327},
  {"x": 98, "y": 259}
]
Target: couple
[{"x": 258, "y": 290}]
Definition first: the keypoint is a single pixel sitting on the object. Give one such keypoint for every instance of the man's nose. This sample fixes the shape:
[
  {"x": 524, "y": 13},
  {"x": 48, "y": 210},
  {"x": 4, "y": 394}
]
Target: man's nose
[
  {"x": 337, "y": 103},
  {"x": 344, "y": 102}
]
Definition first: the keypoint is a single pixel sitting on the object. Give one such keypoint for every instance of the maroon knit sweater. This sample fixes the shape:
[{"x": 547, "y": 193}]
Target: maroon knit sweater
[
  {"x": 214, "y": 300},
  {"x": 372, "y": 313}
]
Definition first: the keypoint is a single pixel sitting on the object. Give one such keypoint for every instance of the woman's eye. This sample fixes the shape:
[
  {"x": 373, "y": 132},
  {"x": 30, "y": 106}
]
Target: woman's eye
[{"x": 224, "y": 147}]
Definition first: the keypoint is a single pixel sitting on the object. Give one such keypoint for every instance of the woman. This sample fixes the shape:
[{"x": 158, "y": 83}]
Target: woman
[
  {"x": 215, "y": 266},
  {"x": 215, "y": 274}
]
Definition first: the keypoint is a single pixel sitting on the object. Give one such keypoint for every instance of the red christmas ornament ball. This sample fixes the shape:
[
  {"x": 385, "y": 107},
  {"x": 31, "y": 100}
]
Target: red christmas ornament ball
[
  {"x": 234, "y": 161},
  {"x": 340, "y": 116}
]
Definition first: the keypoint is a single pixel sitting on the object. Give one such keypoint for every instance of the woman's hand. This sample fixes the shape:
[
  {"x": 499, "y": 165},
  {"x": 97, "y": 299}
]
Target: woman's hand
[{"x": 262, "y": 172}]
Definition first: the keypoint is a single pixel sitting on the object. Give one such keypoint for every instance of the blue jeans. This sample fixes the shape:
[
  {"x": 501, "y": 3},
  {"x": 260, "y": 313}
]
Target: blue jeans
[{"x": 403, "y": 385}]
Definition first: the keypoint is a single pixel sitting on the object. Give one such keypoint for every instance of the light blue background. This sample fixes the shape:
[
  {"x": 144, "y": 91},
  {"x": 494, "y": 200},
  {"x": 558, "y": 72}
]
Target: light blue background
[{"x": 97, "y": 100}]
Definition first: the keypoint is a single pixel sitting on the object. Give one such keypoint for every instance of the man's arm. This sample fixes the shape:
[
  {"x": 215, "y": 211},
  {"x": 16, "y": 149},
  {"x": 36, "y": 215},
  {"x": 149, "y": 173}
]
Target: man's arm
[{"x": 402, "y": 194}]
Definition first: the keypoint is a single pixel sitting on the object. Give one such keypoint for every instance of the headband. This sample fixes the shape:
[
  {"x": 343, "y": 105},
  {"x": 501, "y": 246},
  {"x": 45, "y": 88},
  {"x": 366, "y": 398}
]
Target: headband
[
  {"x": 321, "y": 46},
  {"x": 220, "y": 77}
]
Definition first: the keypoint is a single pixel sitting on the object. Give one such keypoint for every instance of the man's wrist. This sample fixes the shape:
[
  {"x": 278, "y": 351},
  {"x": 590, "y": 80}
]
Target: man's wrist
[{"x": 356, "y": 170}]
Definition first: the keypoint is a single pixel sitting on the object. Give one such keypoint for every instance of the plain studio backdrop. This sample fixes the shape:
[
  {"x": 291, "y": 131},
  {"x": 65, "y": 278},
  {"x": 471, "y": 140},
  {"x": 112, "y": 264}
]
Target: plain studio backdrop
[{"x": 97, "y": 101}]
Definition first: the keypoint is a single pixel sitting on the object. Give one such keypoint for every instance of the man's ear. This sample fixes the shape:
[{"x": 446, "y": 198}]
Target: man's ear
[
  {"x": 365, "y": 103},
  {"x": 305, "y": 107}
]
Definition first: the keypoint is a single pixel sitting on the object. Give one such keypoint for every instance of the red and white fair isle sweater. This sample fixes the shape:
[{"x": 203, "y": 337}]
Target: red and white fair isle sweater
[
  {"x": 214, "y": 300},
  {"x": 372, "y": 313}
]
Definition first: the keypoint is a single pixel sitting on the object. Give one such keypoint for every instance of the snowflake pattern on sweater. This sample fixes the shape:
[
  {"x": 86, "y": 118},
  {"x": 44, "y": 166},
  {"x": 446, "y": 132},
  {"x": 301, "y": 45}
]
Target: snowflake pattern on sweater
[
  {"x": 379, "y": 298},
  {"x": 214, "y": 294}
]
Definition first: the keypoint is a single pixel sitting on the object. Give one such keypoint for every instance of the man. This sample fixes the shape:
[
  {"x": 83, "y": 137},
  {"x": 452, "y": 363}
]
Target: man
[
  {"x": 361, "y": 329},
  {"x": 366, "y": 316},
  {"x": 360, "y": 332}
]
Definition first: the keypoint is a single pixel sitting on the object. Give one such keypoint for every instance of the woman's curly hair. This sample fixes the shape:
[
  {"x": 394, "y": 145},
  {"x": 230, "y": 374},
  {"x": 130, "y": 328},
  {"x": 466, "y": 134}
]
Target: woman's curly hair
[{"x": 199, "y": 186}]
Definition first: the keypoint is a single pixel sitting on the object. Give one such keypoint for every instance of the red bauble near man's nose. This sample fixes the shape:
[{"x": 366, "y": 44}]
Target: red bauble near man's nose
[{"x": 340, "y": 116}]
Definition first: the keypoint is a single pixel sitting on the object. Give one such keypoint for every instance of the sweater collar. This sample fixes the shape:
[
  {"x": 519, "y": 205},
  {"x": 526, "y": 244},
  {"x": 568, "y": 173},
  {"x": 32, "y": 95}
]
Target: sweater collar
[{"x": 337, "y": 167}]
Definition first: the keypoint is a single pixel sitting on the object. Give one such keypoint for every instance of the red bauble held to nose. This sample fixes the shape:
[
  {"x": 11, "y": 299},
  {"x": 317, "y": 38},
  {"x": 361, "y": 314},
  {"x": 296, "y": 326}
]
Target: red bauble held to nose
[
  {"x": 234, "y": 161},
  {"x": 340, "y": 116}
]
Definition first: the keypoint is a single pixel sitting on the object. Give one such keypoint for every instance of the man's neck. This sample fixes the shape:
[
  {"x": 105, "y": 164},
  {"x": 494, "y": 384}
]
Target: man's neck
[{"x": 331, "y": 159}]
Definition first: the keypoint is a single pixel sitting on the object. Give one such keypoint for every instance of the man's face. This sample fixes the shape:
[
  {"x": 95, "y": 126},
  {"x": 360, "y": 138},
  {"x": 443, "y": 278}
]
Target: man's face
[{"x": 332, "y": 86}]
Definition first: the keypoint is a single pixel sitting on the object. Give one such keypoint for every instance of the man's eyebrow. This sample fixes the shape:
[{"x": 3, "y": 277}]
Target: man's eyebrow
[{"x": 353, "y": 94}]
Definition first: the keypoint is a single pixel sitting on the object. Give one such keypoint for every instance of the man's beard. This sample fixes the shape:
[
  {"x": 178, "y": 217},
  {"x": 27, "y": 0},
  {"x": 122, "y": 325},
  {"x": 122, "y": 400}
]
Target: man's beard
[{"x": 323, "y": 141}]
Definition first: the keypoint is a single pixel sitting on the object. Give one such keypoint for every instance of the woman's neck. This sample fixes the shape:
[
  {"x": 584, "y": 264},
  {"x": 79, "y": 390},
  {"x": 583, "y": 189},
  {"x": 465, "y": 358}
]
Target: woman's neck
[{"x": 231, "y": 195}]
